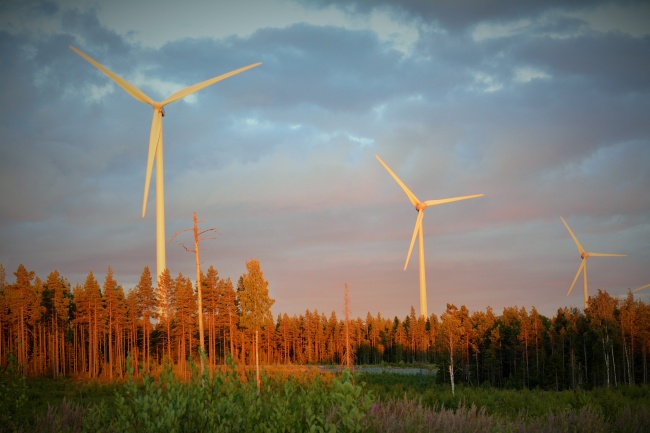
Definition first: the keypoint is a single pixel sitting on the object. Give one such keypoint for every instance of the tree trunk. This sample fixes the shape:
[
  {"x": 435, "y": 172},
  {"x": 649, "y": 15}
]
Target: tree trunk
[
  {"x": 257, "y": 361},
  {"x": 451, "y": 363}
]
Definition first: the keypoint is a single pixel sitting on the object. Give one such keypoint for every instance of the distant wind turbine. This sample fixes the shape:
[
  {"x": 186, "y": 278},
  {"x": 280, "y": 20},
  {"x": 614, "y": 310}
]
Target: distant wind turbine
[
  {"x": 641, "y": 288},
  {"x": 420, "y": 206},
  {"x": 156, "y": 143},
  {"x": 583, "y": 265}
]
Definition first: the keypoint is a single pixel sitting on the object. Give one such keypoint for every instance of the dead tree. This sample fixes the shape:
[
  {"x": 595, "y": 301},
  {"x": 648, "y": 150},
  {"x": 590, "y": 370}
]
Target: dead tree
[
  {"x": 197, "y": 239},
  {"x": 349, "y": 357}
]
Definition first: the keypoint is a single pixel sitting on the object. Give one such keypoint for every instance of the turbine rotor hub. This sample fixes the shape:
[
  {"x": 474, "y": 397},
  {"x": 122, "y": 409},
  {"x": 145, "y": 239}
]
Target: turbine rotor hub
[
  {"x": 420, "y": 206},
  {"x": 158, "y": 107}
]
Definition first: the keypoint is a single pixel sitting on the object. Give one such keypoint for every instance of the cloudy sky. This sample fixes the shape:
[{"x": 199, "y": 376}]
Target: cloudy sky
[{"x": 542, "y": 107}]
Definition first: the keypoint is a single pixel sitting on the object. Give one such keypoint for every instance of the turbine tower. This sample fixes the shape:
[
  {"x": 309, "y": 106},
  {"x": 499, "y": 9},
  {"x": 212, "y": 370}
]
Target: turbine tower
[
  {"x": 583, "y": 265},
  {"x": 156, "y": 143},
  {"x": 420, "y": 206}
]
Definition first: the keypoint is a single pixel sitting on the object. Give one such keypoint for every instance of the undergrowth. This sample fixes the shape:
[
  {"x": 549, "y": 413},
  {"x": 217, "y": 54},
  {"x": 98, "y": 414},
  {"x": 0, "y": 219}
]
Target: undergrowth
[{"x": 230, "y": 402}]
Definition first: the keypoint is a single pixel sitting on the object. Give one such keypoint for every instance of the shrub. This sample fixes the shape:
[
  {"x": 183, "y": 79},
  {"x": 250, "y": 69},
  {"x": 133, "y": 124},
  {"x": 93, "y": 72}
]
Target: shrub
[
  {"x": 224, "y": 403},
  {"x": 13, "y": 394}
]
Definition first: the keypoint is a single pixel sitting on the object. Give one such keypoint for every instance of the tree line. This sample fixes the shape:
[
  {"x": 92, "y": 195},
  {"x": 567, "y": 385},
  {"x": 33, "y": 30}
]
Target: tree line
[{"x": 51, "y": 328}]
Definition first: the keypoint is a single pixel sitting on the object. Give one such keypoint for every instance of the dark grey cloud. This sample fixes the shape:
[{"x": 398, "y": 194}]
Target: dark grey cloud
[
  {"x": 458, "y": 16},
  {"x": 609, "y": 63}
]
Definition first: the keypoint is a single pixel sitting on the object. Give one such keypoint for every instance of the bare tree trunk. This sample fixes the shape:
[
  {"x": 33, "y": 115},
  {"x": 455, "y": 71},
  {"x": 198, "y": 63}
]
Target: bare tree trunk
[
  {"x": 347, "y": 328},
  {"x": 199, "y": 295},
  {"x": 198, "y": 284},
  {"x": 110, "y": 345},
  {"x": 257, "y": 361},
  {"x": 451, "y": 363},
  {"x": 605, "y": 355},
  {"x": 231, "y": 335},
  {"x": 614, "y": 365}
]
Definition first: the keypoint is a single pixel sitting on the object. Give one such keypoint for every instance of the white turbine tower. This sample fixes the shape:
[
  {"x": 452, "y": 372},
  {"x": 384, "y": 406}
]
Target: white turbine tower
[
  {"x": 583, "y": 265},
  {"x": 156, "y": 143},
  {"x": 420, "y": 206}
]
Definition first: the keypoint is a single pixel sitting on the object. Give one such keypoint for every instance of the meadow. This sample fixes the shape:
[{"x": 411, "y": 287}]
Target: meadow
[{"x": 304, "y": 399}]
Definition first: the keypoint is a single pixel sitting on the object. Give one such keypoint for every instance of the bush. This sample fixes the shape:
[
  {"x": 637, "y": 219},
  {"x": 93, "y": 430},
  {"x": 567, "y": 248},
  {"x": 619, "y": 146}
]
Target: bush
[
  {"x": 225, "y": 403},
  {"x": 13, "y": 394}
]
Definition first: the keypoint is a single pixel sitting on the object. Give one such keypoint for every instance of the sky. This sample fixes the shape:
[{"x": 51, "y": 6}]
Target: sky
[{"x": 543, "y": 107}]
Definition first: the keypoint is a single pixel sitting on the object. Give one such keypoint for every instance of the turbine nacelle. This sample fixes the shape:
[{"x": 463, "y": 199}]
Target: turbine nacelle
[
  {"x": 582, "y": 269},
  {"x": 159, "y": 107},
  {"x": 156, "y": 141},
  {"x": 155, "y": 136},
  {"x": 420, "y": 206}
]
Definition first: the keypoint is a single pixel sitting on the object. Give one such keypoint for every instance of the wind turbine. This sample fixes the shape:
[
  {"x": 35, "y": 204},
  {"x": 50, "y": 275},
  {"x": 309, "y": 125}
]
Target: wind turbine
[
  {"x": 641, "y": 288},
  {"x": 420, "y": 206},
  {"x": 156, "y": 143},
  {"x": 583, "y": 265}
]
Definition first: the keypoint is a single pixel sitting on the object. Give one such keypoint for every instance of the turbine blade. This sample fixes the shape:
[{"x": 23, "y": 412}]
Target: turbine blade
[
  {"x": 582, "y": 265},
  {"x": 196, "y": 87},
  {"x": 606, "y": 255},
  {"x": 130, "y": 88},
  {"x": 580, "y": 249},
  {"x": 154, "y": 139},
  {"x": 449, "y": 200},
  {"x": 418, "y": 226},
  {"x": 412, "y": 197},
  {"x": 641, "y": 288}
]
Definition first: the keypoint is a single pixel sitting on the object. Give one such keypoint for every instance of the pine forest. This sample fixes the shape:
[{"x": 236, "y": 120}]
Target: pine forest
[{"x": 92, "y": 330}]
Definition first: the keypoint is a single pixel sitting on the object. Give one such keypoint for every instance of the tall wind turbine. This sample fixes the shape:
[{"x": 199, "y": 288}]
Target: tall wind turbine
[
  {"x": 156, "y": 143},
  {"x": 420, "y": 206},
  {"x": 583, "y": 265}
]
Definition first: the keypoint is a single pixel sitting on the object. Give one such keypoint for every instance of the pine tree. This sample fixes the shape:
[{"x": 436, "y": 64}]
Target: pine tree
[
  {"x": 228, "y": 308},
  {"x": 132, "y": 322},
  {"x": 111, "y": 303},
  {"x": 147, "y": 302},
  {"x": 166, "y": 305},
  {"x": 59, "y": 292},
  {"x": 121, "y": 326},
  {"x": 23, "y": 303},
  {"x": 185, "y": 318},
  {"x": 255, "y": 305},
  {"x": 210, "y": 305},
  {"x": 95, "y": 314}
]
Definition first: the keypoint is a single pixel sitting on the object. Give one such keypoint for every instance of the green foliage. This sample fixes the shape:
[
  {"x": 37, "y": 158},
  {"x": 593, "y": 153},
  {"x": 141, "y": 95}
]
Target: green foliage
[
  {"x": 13, "y": 393},
  {"x": 224, "y": 403},
  {"x": 229, "y": 402},
  {"x": 350, "y": 404},
  {"x": 419, "y": 394},
  {"x": 254, "y": 297}
]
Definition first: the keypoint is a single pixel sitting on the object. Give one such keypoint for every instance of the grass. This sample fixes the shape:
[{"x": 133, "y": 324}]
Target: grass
[
  {"x": 305, "y": 400},
  {"x": 613, "y": 405}
]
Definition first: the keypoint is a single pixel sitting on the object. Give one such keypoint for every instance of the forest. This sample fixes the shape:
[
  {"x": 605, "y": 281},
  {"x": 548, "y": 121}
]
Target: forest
[{"x": 50, "y": 328}]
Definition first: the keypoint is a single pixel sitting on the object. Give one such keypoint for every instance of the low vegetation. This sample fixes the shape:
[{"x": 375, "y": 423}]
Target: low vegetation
[
  {"x": 313, "y": 402},
  {"x": 87, "y": 358}
]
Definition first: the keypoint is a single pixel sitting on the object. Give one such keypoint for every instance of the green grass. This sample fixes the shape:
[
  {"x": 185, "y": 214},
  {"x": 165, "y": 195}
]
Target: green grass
[
  {"x": 372, "y": 402},
  {"x": 506, "y": 403},
  {"x": 42, "y": 392},
  {"x": 226, "y": 402}
]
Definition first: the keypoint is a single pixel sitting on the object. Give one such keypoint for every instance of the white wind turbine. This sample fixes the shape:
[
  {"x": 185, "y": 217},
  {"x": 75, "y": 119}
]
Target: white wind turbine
[
  {"x": 583, "y": 265},
  {"x": 420, "y": 206},
  {"x": 156, "y": 143}
]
